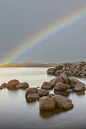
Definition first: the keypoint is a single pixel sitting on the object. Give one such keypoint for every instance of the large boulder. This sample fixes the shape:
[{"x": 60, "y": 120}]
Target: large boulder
[
  {"x": 46, "y": 103},
  {"x": 22, "y": 85},
  {"x": 42, "y": 92},
  {"x": 47, "y": 85},
  {"x": 65, "y": 77},
  {"x": 30, "y": 91},
  {"x": 12, "y": 83},
  {"x": 79, "y": 87},
  {"x": 32, "y": 97},
  {"x": 50, "y": 71},
  {"x": 60, "y": 86},
  {"x": 62, "y": 102},
  {"x": 58, "y": 79}
]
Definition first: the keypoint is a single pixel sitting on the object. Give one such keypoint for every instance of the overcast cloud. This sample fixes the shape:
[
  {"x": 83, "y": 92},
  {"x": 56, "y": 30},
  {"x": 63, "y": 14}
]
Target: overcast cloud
[{"x": 20, "y": 19}]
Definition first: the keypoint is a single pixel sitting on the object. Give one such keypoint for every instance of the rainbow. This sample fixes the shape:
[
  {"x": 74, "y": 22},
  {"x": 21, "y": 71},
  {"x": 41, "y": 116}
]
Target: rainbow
[{"x": 45, "y": 35}]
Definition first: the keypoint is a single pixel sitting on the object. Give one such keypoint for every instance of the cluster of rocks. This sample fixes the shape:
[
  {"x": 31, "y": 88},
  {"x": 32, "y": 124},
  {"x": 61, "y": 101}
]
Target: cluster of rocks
[
  {"x": 49, "y": 101},
  {"x": 70, "y": 69},
  {"x": 14, "y": 84}
]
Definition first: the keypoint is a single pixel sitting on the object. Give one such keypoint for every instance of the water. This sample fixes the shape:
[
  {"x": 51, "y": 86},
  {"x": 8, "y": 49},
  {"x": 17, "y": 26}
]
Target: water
[{"x": 16, "y": 113}]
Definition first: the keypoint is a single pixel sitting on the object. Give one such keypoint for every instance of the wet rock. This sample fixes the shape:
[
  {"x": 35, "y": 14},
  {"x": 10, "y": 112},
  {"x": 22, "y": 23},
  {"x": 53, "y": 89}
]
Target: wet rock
[
  {"x": 58, "y": 79},
  {"x": 22, "y": 85},
  {"x": 63, "y": 93},
  {"x": 79, "y": 87},
  {"x": 12, "y": 83},
  {"x": 61, "y": 86},
  {"x": 51, "y": 71},
  {"x": 65, "y": 77},
  {"x": 58, "y": 72},
  {"x": 46, "y": 103},
  {"x": 30, "y": 91},
  {"x": 74, "y": 80},
  {"x": 32, "y": 97},
  {"x": 52, "y": 80},
  {"x": 42, "y": 92},
  {"x": 62, "y": 102},
  {"x": 47, "y": 85},
  {"x": 58, "y": 67}
]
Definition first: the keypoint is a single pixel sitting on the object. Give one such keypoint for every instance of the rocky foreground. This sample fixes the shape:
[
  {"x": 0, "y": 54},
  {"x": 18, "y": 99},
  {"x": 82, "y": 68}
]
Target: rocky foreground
[
  {"x": 70, "y": 69},
  {"x": 49, "y": 101}
]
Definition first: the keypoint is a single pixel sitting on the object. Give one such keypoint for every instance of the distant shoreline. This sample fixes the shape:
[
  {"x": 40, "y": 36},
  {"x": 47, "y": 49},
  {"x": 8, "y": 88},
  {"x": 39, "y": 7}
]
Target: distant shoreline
[{"x": 28, "y": 64}]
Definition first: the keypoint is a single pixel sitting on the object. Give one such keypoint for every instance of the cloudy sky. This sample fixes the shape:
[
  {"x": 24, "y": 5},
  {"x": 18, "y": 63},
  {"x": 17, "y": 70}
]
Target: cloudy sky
[{"x": 22, "y": 19}]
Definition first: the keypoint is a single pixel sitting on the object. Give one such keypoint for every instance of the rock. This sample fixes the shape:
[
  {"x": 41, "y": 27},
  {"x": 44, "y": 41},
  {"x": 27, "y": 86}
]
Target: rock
[
  {"x": 42, "y": 92},
  {"x": 50, "y": 95},
  {"x": 58, "y": 79},
  {"x": 30, "y": 91},
  {"x": 73, "y": 82},
  {"x": 58, "y": 67},
  {"x": 47, "y": 85},
  {"x": 3, "y": 86},
  {"x": 32, "y": 97},
  {"x": 50, "y": 71},
  {"x": 63, "y": 93},
  {"x": 78, "y": 74},
  {"x": 57, "y": 73},
  {"x": 52, "y": 80},
  {"x": 22, "y": 85},
  {"x": 62, "y": 102},
  {"x": 70, "y": 90},
  {"x": 84, "y": 68},
  {"x": 76, "y": 70},
  {"x": 61, "y": 86},
  {"x": 79, "y": 87},
  {"x": 66, "y": 72},
  {"x": 64, "y": 77},
  {"x": 82, "y": 75},
  {"x": 70, "y": 72},
  {"x": 12, "y": 83},
  {"x": 46, "y": 103}
]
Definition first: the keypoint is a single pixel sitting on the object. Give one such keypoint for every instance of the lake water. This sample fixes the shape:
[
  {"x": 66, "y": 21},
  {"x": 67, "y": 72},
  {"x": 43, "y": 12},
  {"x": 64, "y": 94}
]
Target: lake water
[{"x": 17, "y": 113}]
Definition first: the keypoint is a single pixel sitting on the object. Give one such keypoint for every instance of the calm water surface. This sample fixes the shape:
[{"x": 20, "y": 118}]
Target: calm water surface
[{"x": 16, "y": 113}]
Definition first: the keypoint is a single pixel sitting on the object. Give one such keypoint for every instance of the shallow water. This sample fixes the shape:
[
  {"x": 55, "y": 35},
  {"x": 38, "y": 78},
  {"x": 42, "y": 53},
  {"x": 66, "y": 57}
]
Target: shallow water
[{"x": 16, "y": 112}]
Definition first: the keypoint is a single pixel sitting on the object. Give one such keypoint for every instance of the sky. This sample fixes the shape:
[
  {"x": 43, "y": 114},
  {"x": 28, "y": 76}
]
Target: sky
[{"x": 22, "y": 19}]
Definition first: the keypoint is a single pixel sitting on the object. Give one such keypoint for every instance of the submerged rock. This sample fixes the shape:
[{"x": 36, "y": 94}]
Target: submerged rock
[
  {"x": 46, "y": 103},
  {"x": 62, "y": 102}
]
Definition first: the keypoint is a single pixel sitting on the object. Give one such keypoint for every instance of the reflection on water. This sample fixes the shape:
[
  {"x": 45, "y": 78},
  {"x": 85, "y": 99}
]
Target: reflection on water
[{"x": 16, "y": 112}]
